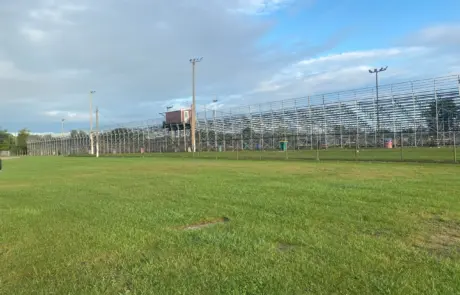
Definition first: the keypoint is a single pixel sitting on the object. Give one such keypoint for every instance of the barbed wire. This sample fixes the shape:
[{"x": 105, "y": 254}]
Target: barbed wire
[{"x": 425, "y": 110}]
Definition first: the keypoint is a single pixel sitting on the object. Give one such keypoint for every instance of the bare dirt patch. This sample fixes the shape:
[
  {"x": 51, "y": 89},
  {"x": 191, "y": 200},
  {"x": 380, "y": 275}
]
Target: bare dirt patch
[
  {"x": 5, "y": 249},
  {"x": 8, "y": 158},
  {"x": 205, "y": 223},
  {"x": 442, "y": 240},
  {"x": 284, "y": 247},
  {"x": 377, "y": 233},
  {"x": 85, "y": 175},
  {"x": 105, "y": 257},
  {"x": 13, "y": 185},
  {"x": 369, "y": 173},
  {"x": 345, "y": 171}
]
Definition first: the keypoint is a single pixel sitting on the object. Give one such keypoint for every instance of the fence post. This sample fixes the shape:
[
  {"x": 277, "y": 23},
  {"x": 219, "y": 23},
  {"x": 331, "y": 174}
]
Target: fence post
[
  {"x": 317, "y": 148},
  {"x": 356, "y": 152},
  {"x": 357, "y": 131},
  {"x": 324, "y": 123},
  {"x": 237, "y": 153},
  {"x": 286, "y": 150},
  {"x": 455, "y": 123},
  {"x": 341, "y": 120},
  {"x": 455, "y": 146},
  {"x": 311, "y": 123},
  {"x": 401, "y": 145},
  {"x": 437, "y": 116},
  {"x": 414, "y": 114}
]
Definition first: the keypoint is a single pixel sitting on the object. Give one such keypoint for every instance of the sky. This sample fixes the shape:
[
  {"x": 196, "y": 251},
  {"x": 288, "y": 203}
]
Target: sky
[{"x": 135, "y": 53}]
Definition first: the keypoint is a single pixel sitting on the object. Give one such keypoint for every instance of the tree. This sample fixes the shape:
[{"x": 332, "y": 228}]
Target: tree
[
  {"x": 120, "y": 133},
  {"x": 447, "y": 113},
  {"x": 340, "y": 129},
  {"x": 7, "y": 141},
  {"x": 74, "y": 133},
  {"x": 78, "y": 134},
  {"x": 21, "y": 141}
]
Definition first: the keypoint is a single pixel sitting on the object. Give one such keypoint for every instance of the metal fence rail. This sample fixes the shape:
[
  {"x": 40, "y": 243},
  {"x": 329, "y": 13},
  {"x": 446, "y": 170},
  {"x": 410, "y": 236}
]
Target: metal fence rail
[{"x": 419, "y": 113}]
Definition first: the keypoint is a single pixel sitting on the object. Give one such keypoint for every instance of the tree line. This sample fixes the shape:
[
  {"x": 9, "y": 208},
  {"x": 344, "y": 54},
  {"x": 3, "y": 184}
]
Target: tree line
[
  {"x": 441, "y": 115},
  {"x": 14, "y": 143}
]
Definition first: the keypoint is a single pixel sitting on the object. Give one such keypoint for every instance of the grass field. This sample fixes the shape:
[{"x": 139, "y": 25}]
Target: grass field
[
  {"x": 409, "y": 154},
  {"x": 118, "y": 226}
]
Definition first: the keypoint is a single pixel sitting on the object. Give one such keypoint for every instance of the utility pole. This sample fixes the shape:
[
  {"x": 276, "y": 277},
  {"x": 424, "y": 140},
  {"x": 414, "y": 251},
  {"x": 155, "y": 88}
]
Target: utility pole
[
  {"x": 97, "y": 132},
  {"x": 172, "y": 132},
  {"x": 62, "y": 127},
  {"x": 91, "y": 92},
  {"x": 62, "y": 135},
  {"x": 376, "y": 72},
  {"x": 193, "y": 61},
  {"x": 214, "y": 122},
  {"x": 164, "y": 134}
]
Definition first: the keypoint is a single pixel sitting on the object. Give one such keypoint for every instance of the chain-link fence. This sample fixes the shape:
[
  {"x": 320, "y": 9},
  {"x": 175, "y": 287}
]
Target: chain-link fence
[{"x": 410, "y": 121}]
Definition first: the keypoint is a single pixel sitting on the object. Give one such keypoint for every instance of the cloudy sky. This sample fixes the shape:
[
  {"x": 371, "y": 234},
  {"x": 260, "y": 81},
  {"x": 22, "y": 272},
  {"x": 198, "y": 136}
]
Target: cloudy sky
[{"x": 135, "y": 53}]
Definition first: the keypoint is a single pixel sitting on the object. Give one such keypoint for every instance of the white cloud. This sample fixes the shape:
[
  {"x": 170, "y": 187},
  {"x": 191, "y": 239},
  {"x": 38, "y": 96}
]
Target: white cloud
[
  {"x": 34, "y": 35},
  {"x": 260, "y": 6},
  {"x": 70, "y": 73},
  {"x": 360, "y": 55},
  {"x": 72, "y": 7},
  {"x": 57, "y": 114},
  {"x": 8, "y": 70},
  {"x": 444, "y": 34},
  {"x": 136, "y": 55},
  {"x": 46, "y": 14},
  {"x": 49, "y": 19},
  {"x": 56, "y": 12},
  {"x": 349, "y": 70}
]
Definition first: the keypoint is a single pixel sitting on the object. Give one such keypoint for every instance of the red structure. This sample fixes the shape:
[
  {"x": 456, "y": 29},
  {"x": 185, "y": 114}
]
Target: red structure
[
  {"x": 388, "y": 143},
  {"x": 178, "y": 120},
  {"x": 178, "y": 117}
]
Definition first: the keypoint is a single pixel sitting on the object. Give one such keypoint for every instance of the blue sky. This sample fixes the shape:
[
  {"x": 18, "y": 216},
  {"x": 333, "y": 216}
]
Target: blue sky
[
  {"x": 136, "y": 54},
  {"x": 365, "y": 24}
]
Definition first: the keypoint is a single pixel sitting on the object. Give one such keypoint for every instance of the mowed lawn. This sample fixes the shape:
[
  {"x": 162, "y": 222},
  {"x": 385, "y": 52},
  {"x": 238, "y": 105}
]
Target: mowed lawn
[
  {"x": 405, "y": 154},
  {"x": 116, "y": 226}
]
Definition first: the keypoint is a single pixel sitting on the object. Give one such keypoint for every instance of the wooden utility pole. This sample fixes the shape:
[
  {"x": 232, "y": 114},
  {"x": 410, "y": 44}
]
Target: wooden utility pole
[
  {"x": 62, "y": 127},
  {"x": 97, "y": 133},
  {"x": 214, "y": 123},
  {"x": 91, "y": 92},
  {"x": 193, "y": 61},
  {"x": 185, "y": 137}
]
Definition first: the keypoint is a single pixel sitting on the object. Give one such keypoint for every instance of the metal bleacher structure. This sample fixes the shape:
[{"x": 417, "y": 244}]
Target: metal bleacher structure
[{"x": 407, "y": 113}]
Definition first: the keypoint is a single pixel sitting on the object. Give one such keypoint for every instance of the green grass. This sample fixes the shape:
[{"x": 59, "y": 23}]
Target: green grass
[
  {"x": 115, "y": 226},
  {"x": 410, "y": 154}
]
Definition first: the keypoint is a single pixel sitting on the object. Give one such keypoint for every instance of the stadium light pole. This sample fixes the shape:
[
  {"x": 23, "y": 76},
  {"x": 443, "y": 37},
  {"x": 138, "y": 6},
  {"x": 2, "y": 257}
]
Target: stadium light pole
[
  {"x": 62, "y": 126},
  {"x": 214, "y": 110},
  {"x": 164, "y": 114},
  {"x": 193, "y": 61},
  {"x": 91, "y": 92},
  {"x": 171, "y": 133},
  {"x": 62, "y": 134},
  {"x": 376, "y": 72},
  {"x": 164, "y": 131},
  {"x": 214, "y": 122}
]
